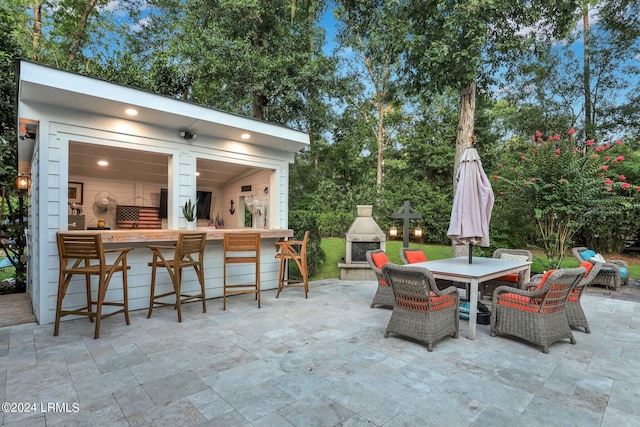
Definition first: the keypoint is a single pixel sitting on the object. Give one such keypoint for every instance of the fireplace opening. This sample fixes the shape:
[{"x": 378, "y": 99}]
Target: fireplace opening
[{"x": 359, "y": 250}]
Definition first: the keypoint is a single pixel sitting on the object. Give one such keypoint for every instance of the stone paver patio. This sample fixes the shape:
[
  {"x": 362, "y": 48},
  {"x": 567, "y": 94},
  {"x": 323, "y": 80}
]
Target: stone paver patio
[{"x": 318, "y": 362}]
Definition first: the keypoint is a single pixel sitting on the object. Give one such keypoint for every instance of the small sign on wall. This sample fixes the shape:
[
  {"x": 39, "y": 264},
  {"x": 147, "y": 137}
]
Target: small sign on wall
[{"x": 245, "y": 188}]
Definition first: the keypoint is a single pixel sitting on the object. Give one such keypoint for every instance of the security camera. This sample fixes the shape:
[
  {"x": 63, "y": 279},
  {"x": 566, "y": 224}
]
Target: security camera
[{"x": 187, "y": 134}]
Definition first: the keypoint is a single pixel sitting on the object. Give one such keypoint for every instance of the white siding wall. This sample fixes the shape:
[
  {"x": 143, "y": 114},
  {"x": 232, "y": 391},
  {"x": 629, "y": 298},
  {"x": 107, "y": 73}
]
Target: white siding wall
[
  {"x": 58, "y": 127},
  {"x": 139, "y": 278}
]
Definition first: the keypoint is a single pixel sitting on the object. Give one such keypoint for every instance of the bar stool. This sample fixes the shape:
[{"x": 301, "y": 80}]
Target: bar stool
[
  {"x": 241, "y": 248},
  {"x": 189, "y": 244},
  {"x": 84, "y": 254},
  {"x": 295, "y": 250}
]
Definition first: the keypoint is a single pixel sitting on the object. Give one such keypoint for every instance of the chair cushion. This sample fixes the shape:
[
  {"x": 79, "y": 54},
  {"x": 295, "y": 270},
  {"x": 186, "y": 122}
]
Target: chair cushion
[
  {"x": 623, "y": 272},
  {"x": 544, "y": 279},
  {"x": 587, "y": 265},
  {"x": 587, "y": 255},
  {"x": 437, "y": 302},
  {"x": 512, "y": 277},
  {"x": 380, "y": 259},
  {"x": 519, "y": 302},
  {"x": 415, "y": 256}
]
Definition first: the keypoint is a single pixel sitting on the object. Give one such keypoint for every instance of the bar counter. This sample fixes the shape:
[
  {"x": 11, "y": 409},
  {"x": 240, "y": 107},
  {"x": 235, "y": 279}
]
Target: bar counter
[
  {"x": 145, "y": 235},
  {"x": 139, "y": 273}
]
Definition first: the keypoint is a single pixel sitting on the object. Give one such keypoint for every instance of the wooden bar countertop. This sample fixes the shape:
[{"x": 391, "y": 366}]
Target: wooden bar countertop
[{"x": 163, "y": 235}]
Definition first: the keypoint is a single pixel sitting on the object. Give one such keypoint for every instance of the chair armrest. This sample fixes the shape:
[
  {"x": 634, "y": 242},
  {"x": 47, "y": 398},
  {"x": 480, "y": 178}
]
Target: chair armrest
[
  {"x": 616, "y": 263},
  {"x": 117, "y": 250},
  {"x": 446, "y": 291},
  {"x": 509, "y": 289},
  {"x": 533, "y": 282},
  {"x": 158, "y": 247}
]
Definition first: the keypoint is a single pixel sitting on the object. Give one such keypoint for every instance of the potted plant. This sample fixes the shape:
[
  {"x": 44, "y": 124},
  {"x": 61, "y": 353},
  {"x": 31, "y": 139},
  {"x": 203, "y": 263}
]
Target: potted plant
[{"x": 189, "y": 212}]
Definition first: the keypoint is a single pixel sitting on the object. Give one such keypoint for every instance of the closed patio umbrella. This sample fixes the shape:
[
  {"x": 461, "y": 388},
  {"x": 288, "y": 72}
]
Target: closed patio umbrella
[{"x": 472, "y": 203}]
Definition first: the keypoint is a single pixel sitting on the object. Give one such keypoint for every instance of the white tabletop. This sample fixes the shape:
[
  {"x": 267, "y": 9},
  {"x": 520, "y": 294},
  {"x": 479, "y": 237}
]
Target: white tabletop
[{"x": 479, "y": 269}]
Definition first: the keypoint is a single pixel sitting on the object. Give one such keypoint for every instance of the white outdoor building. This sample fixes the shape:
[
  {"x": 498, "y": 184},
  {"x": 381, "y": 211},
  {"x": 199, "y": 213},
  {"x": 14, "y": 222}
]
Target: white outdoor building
[{"x": 156, "y": 160}]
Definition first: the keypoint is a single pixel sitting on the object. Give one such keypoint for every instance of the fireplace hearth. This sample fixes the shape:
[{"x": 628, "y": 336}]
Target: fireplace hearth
[{"x": 363, "y": 235}]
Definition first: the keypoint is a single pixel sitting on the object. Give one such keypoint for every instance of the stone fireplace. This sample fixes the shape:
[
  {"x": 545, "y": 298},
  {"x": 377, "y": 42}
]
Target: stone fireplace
[{"x": 363, "y": 235}]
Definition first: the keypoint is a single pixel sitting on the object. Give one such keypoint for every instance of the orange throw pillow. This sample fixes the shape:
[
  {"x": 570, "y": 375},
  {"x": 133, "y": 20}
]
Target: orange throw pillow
[
  {"x": 587, "y": 265},
  {"x": 380, "y": 259},
  {"x": 544, "y": 279},
  {"x": 415, "y": 256}
]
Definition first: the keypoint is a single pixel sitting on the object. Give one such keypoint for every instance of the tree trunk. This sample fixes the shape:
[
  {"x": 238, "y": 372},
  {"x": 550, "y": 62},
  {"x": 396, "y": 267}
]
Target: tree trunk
[
  {"x": 82, "y": 28},
  {"x": 464, "y": 140},
  {"x": 588, "y": 122},
  {"x": 37, "y": 27}
]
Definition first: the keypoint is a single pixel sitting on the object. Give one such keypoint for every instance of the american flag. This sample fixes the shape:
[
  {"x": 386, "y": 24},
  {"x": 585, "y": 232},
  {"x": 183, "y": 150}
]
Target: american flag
[{"x": 138, "y": 217}]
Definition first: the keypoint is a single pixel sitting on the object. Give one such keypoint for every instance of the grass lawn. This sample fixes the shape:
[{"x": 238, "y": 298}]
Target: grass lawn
[{"x": 334, "y": 248}]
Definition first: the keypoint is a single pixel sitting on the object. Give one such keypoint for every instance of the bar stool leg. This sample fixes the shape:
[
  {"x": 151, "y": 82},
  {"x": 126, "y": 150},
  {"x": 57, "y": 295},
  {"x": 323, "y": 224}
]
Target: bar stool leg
[
  {"x": 153, "y": 286},
  {"x": 176, "y": 287},
  {"x": 281, "y": 276},
  {"x": 101, "y": 293},
  {"x": 125, "y": 291}
]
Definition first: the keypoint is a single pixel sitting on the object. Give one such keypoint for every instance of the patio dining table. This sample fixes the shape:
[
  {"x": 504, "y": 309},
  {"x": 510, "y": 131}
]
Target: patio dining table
[{"x": 480, "y": 270}]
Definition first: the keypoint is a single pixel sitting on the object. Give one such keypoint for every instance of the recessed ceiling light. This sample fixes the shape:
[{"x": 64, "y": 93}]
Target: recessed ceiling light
[
  {"x": 131, "y": 112},
  {"x": 245, "y": 136},
  {"x": 103, "y": 163}
]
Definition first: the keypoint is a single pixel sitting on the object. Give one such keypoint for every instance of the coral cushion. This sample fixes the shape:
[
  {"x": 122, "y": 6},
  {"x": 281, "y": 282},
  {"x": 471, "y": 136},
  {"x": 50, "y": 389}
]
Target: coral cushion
[
  {"x": 380, "y": 259},
  {"x": 587, "y": 265},
  {"x": 544, "y": 279},
  {"x": 415, "y": 256},
  {"x": 436, "y": 303},
  {"x": 512, "y": 277}
]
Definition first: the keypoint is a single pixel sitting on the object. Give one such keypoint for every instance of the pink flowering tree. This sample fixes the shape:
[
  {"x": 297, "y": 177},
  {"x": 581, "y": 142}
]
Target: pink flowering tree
[{"x": 558, "y": 187}]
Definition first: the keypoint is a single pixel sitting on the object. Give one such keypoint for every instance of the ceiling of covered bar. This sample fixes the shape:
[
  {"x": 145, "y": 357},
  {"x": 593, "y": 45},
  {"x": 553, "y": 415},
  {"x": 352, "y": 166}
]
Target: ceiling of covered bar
[{"x": 146, "y": 166}]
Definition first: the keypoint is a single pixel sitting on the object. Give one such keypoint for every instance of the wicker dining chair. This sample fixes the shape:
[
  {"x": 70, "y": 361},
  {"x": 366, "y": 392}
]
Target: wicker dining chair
[
  {"x": 384, "y": 295},
  {"x": 539, "y": 315},
  {"x": 575, "y": 313},
  {"x": 421, "y": 311},
  {"x": 514, "y": 279},
  {"x": 613, "y": 274}
]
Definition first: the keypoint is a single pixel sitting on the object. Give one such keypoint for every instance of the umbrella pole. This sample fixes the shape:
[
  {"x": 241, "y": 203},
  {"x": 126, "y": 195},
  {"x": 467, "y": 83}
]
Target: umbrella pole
[{"x": 470, "y": 253}]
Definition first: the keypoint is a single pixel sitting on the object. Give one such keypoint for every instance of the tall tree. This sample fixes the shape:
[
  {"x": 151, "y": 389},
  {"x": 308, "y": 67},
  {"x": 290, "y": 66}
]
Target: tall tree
[
  {"x": 462, "y": 43},
  {"x": 369, "y": 33}
]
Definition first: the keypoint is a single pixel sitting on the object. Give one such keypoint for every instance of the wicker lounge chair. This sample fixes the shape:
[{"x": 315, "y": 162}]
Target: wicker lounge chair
[
  {"x": 613, "y": 274},
  {"x": 421, "y": 310},
  {"x": 538, "y": 316},
  {"x": 384, "y": 295},
  {"x": 515, "y": 279}
]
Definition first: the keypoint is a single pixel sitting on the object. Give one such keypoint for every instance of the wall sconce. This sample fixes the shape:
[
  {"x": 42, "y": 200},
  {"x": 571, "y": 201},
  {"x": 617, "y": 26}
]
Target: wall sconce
[
  {"x": 23, "y": 182},
  {"x": 232, "y": 210},
  {"x": 393, "y": 232},
  {"x": 417, "y": 232}
]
